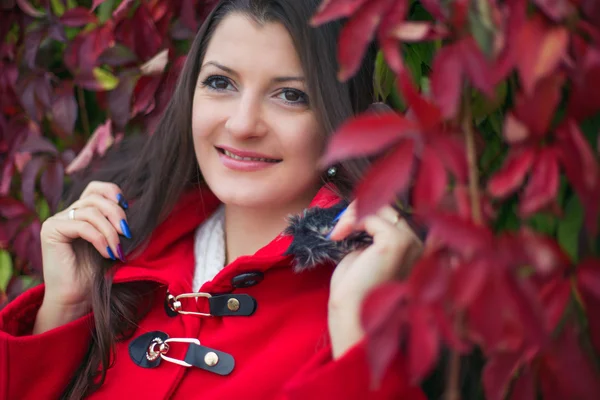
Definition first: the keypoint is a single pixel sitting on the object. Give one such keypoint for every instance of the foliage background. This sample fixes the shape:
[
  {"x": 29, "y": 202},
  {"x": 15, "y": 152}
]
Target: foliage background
[{"x": 77, "y": 76}]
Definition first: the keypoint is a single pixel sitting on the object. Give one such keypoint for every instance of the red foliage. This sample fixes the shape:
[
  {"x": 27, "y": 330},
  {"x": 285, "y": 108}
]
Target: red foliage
[{"x": 509, "y": 292}]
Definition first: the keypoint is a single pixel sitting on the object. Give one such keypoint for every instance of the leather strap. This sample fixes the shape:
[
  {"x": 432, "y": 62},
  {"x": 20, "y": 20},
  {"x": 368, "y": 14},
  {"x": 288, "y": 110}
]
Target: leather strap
[
  {"x": 204, "y": 358},
  {"x": 232, "y": 304}
]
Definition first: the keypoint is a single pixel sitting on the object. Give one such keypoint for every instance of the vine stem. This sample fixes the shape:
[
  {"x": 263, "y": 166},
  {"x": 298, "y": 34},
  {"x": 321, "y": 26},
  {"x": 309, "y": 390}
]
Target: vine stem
[
  {"x": 453, "y": 379},
  {"x": 85, "y": 121}
]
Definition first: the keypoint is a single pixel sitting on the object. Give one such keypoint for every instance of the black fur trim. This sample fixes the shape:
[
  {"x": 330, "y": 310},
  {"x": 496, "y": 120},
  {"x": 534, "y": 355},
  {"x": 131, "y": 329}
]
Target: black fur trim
[{"x": 310, "y": 246}]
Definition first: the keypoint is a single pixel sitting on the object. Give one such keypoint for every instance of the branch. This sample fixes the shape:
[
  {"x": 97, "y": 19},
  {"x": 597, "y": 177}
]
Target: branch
[
  {"x": 453, "y": 379},
  {"x": 85, "y": 121}
]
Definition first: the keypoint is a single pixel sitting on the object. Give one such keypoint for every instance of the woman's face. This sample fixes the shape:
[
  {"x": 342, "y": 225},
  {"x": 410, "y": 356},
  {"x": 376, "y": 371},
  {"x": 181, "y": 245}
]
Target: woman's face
[{"x": 256, "y": 136}]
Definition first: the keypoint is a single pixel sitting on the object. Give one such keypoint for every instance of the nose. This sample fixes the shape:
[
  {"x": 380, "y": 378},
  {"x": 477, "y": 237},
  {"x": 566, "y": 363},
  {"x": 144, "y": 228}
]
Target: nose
[{"x": 246, "y": 118}]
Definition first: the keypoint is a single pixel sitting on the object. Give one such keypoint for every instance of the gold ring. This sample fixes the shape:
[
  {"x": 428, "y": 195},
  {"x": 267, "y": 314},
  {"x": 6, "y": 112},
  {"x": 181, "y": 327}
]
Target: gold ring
[{"x": 72, "y": 214}]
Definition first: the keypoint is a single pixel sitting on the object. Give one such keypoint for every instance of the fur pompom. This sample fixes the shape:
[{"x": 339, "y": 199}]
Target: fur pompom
[{"x": 310, "y": 247}]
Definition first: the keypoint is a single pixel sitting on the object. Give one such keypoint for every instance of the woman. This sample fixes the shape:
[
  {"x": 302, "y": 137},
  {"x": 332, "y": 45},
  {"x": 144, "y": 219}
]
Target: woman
[{"x": 207, "y": 303}]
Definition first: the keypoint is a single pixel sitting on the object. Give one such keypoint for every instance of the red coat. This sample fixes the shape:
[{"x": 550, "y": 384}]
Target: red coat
[{"x": 281, "y": 351}]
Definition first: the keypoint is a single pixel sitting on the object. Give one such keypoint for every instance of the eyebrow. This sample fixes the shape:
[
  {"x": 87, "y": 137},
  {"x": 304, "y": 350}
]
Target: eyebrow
[{"x": 279, "y": 79}]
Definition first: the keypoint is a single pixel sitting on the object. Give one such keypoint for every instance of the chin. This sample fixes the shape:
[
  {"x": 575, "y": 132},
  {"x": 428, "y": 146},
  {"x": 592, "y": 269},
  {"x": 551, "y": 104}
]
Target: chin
[{"x": 258, "y": 196}]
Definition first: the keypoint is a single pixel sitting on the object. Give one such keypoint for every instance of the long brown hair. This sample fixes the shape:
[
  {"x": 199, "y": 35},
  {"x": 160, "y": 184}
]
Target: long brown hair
[{"x": 166, "y": 166}]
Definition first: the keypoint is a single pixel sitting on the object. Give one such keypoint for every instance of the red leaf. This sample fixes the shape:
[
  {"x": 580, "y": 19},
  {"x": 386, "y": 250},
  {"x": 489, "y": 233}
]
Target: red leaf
[
  {"x": 452, "y": 153},
  {"x": 12, "y": 209},
  {"x": 52, "y": 184},
  {"x": 495, "y": 328},
  {"x": 122, "y": 9},
  {"x": 28, "y": 179},
  {"x": 357, "y": 34},
  {"x": 555, "y": 9},
  {"x": 383, "y": 315},
  {"x": 119, "y": 99},
  {"x": 428, "y": 114},
  {"x": 76, "y": 17},
  {"x": 64, "y": 108},
  {"x": 385, "y": 179},
  {"x": 524, "y": 388},
  {"x": 542, "y": 253},
  {"x": 330, "y": 10},
  {"x": 510, "y": 177},
  {"x": 566, "y": 371},
  {"x": 388, "y": 44},
  {"x": 98, "y": 143},
  {"x": 542, "y": 188},
  {"x": 423, "y": 346},
  {"x": 464, "y": 237},
  {"x": 588, "y": 278},
  {"x": 431, "y": 182},
  {"x": 188, "y": 14},
  {"x": 468, "y": 280},
  {"x": 476, "y": 66},
  {"x": 30, "y": 10},
  {"x": 541, "y": 49},
  {"x": 38, "y": 144},
  {"x": 446, "y": 80},
  {"x": 583, "y": 162},
  {"x": 536, "y": 111},
  {"x": 429, "y": 278},
  {"x": 146, "y": 37},
  {"x": 117, "y": 55},
  {"x": 514, "y": 130},
  {"x": 145, "y": 89},
  {"x": 367, "y": 134},
  {"x": 497, "y": 374},
  {"x": 555, "y": 296},
  {"x": 588, "y": 285}
]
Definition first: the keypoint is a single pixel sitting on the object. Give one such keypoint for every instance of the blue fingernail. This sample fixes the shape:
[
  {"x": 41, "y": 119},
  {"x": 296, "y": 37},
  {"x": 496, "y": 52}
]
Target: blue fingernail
[
  {"x": 340, "y": 215},
  {"x": 110, "y": 253},
  {"x": 122, "y": 202},
  {"x": 125, "y": 229}
]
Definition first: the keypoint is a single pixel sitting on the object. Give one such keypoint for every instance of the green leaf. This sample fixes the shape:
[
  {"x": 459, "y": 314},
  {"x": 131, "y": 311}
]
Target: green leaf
[
  {"x": 569, "y": 228},
  {"x": 482, "y": 27},
  {"x": 43, "y": 210},
  {"x": 412, "y": 60},
  {"x": 105, "y": 10},
  {"x": 384, "y": 78},
  {"x": 6, "y": 269},
  {"x": 544, "y": 223},
  {"x": 481, "y": 105},
  {"x": 58, "y": 8},
  {"x": 107, "y": 80}
]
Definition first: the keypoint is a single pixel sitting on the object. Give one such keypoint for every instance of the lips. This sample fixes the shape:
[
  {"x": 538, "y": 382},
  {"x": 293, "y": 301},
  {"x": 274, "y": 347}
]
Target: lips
[{"x": 248, "y": 156}]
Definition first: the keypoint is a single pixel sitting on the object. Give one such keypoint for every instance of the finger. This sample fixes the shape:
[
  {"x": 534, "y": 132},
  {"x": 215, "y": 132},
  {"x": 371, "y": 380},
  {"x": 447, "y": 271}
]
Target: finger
[
  {"x": 108, "y": 190},
  {"x": 345, "y": 223},
  {"x": 396, "y": 244},
  {"x": 94, "y": 217},
  {"x": 115, "y": 214},
  {"x": 86, "y": 231}
]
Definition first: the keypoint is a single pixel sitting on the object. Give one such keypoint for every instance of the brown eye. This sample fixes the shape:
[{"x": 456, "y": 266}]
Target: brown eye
[
  {"x": 217, "y": 82},
  {"x": 293, "y": 96}
]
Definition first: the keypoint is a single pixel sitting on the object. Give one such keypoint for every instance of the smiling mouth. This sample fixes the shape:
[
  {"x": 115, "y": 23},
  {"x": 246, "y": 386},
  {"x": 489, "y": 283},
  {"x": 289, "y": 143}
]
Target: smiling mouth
[{"x": 239, "y": 158}]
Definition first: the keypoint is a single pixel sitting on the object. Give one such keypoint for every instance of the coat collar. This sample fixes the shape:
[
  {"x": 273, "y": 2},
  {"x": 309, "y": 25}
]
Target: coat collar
[{"x": 168, "y": 256}]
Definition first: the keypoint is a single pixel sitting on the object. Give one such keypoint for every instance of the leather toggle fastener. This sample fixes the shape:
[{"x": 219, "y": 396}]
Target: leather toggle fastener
[
  {"x": 149, "y": 349},
  {"x": 224, "y": 305}
]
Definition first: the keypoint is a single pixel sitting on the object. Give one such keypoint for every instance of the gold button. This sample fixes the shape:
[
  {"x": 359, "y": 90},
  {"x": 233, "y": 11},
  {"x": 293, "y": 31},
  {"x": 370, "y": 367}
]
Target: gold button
[
  {"x": 211, "y": 359},
  {"x": 233, "y": 304}
]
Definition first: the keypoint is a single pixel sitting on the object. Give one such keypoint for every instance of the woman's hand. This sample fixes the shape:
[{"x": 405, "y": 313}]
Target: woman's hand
[
  {"x": 97, "y": 217},
  {"x": 394, "y": 250}
]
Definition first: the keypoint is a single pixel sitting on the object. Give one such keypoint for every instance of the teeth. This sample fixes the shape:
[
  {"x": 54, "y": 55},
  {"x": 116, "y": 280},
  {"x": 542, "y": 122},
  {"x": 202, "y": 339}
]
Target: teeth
[{"x": 235, "y": 157}]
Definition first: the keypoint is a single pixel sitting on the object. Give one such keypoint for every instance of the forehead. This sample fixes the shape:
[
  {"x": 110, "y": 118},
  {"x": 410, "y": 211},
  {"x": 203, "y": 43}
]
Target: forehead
[{"x": 241, "y": 43}]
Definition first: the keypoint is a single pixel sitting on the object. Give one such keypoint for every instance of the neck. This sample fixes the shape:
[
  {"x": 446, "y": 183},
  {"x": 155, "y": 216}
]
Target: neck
[{"x": 249, "y": 229}]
